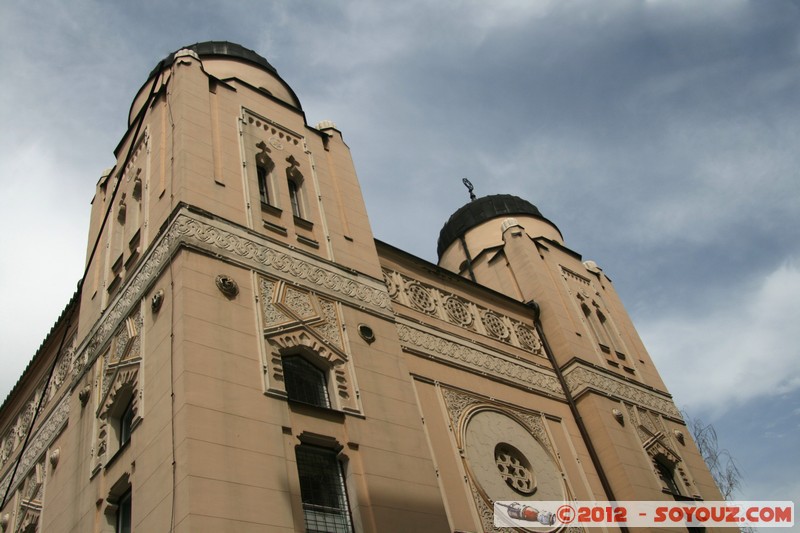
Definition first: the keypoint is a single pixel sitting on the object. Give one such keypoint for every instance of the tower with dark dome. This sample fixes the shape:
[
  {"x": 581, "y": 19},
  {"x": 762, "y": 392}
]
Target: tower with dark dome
[{"x": 243, "y": 355}]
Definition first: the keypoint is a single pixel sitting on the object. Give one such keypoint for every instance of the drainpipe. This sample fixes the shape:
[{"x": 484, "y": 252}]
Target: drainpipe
[{"x": 572, "y": 406}]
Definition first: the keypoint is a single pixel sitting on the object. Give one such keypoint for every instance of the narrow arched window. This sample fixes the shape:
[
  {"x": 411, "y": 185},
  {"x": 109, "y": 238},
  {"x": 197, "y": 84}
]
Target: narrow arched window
[
  {"x": 125, "y": 424},
  {"x": 264, "y": 166},
  {"x": 666, "y": 473},
  {"x": 304, "y": 381},
  {"x": 294, "y": 198},
  {"x": 263, "y": 188}
]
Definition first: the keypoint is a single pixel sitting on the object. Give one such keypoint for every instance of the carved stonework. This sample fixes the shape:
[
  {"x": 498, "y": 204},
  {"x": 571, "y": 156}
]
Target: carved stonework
[
  {"x": 227, "y": 286},
  {"x": 44, "y": 436},
  {"x": 581, "y": 378},
  {"x": 506, "y": 453},
  {"x": 494, "y": 325},
  {"x": 125, "y": 348},
  {"x": 286, "y": 306},
  {"x": 451, "y": 350},
  {"x": 420, "y": 297},
  {"x": 299, "y": 302},
  {"x": 298, "y": 319},
  {"x": 345, "y": 396},
  {"x": 288, "y": 263},
  {"x": 331, "y": 327},
  {"x": 273, "y": 316},
  {"x": 458, "y": 312},
  {"x": 30, "y": 501},
  {"x": 187, "y": 229},
  {"x": 574, "y": 276},
  {"x": 124, "y": 383},
  {"x": 454, "y": 309},
  {"x": 656, "y": 441}
]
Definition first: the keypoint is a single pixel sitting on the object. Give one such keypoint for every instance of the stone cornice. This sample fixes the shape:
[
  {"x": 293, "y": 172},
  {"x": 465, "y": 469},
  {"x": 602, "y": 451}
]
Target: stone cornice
[
  {"x": 581, "y": 379},
  {"x": 473, "y": 358}
]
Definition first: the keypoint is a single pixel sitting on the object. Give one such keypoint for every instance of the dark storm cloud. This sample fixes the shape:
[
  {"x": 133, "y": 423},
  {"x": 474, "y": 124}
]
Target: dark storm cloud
[{"x": 660, "y": 136}]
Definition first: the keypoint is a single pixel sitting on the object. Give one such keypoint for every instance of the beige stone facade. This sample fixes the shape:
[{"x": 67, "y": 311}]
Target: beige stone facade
[{"x": 243, "y": 355}]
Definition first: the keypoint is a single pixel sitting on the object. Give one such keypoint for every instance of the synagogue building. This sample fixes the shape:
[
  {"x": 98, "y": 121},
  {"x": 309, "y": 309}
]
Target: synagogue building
[{"x": 243, "y": 355}]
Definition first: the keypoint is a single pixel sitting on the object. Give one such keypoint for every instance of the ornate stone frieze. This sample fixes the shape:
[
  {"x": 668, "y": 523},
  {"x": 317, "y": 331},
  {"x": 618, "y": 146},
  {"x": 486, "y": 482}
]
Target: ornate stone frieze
[
  {"x": 454, "y": 351},
  {"x": 37, "y": 445},
  {"x": 286, "y": 263},
  {"x": 13, "y": 437},
  {"x": 446, "y": 306},
  {"x": 581, "y": 378}
]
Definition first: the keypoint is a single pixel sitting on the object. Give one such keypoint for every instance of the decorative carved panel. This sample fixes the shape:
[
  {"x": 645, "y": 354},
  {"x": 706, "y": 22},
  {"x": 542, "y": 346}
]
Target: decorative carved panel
[
  {"x": 295, "y": 318},
  {"x": 506, "y": 453},
  {"x": 446, "y": 306},
  {"x": 658, "y": 444}
]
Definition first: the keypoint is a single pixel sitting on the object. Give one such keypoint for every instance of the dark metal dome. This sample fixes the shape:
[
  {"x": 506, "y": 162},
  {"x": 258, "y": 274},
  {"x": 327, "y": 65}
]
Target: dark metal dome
[
  {"x": 481, "y": 210},
  {"x": 220, "y": 48}
]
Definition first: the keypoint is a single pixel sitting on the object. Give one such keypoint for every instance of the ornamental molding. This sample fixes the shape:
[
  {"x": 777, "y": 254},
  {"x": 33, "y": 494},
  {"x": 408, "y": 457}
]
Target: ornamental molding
[
  {"x": 581, "y": 379},
  {"x": 285, "y": 262},
  {"x": 461, "y": 405},
  {"x": 232, "y": 243},
  {"x": 451, "y": 350},
  {"x": 438, "y": 303},
  {"x": 656, "y": 441},
  {"x": 44, "y": 436},
  {"x": 295, "y": 318}
]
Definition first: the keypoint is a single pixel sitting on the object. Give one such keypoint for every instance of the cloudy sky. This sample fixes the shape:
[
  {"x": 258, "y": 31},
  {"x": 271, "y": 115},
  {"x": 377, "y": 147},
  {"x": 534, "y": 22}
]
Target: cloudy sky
[{"x": 660, "y": 136}]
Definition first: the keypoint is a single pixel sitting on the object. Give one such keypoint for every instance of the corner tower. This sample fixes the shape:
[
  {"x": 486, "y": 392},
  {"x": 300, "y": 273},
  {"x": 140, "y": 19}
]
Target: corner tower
[{"x": 617, "y": 397}]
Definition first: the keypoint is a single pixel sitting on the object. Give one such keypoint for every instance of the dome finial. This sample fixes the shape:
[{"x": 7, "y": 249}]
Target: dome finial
[{"x": 470, "y": 188}]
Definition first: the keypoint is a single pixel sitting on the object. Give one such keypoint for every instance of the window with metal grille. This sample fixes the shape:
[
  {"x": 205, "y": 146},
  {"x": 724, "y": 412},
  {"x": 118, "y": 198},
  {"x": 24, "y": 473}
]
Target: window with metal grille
[
  {"x": 305, "y": 382},
  {"x": 322, "y": 490}
]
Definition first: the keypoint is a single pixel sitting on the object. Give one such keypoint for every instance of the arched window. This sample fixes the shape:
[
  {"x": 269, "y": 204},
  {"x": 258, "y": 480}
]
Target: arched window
[
  {"x": 294, "y": 180},
  {"x": 294, "y": 198},
  {"x": 264, "y": 166},
  {"x": 666, "y": 472},
  {"x": 305, "y": 382},
  {"x": 124, "y": 424},
  {"x": 263, "y": 189}
]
